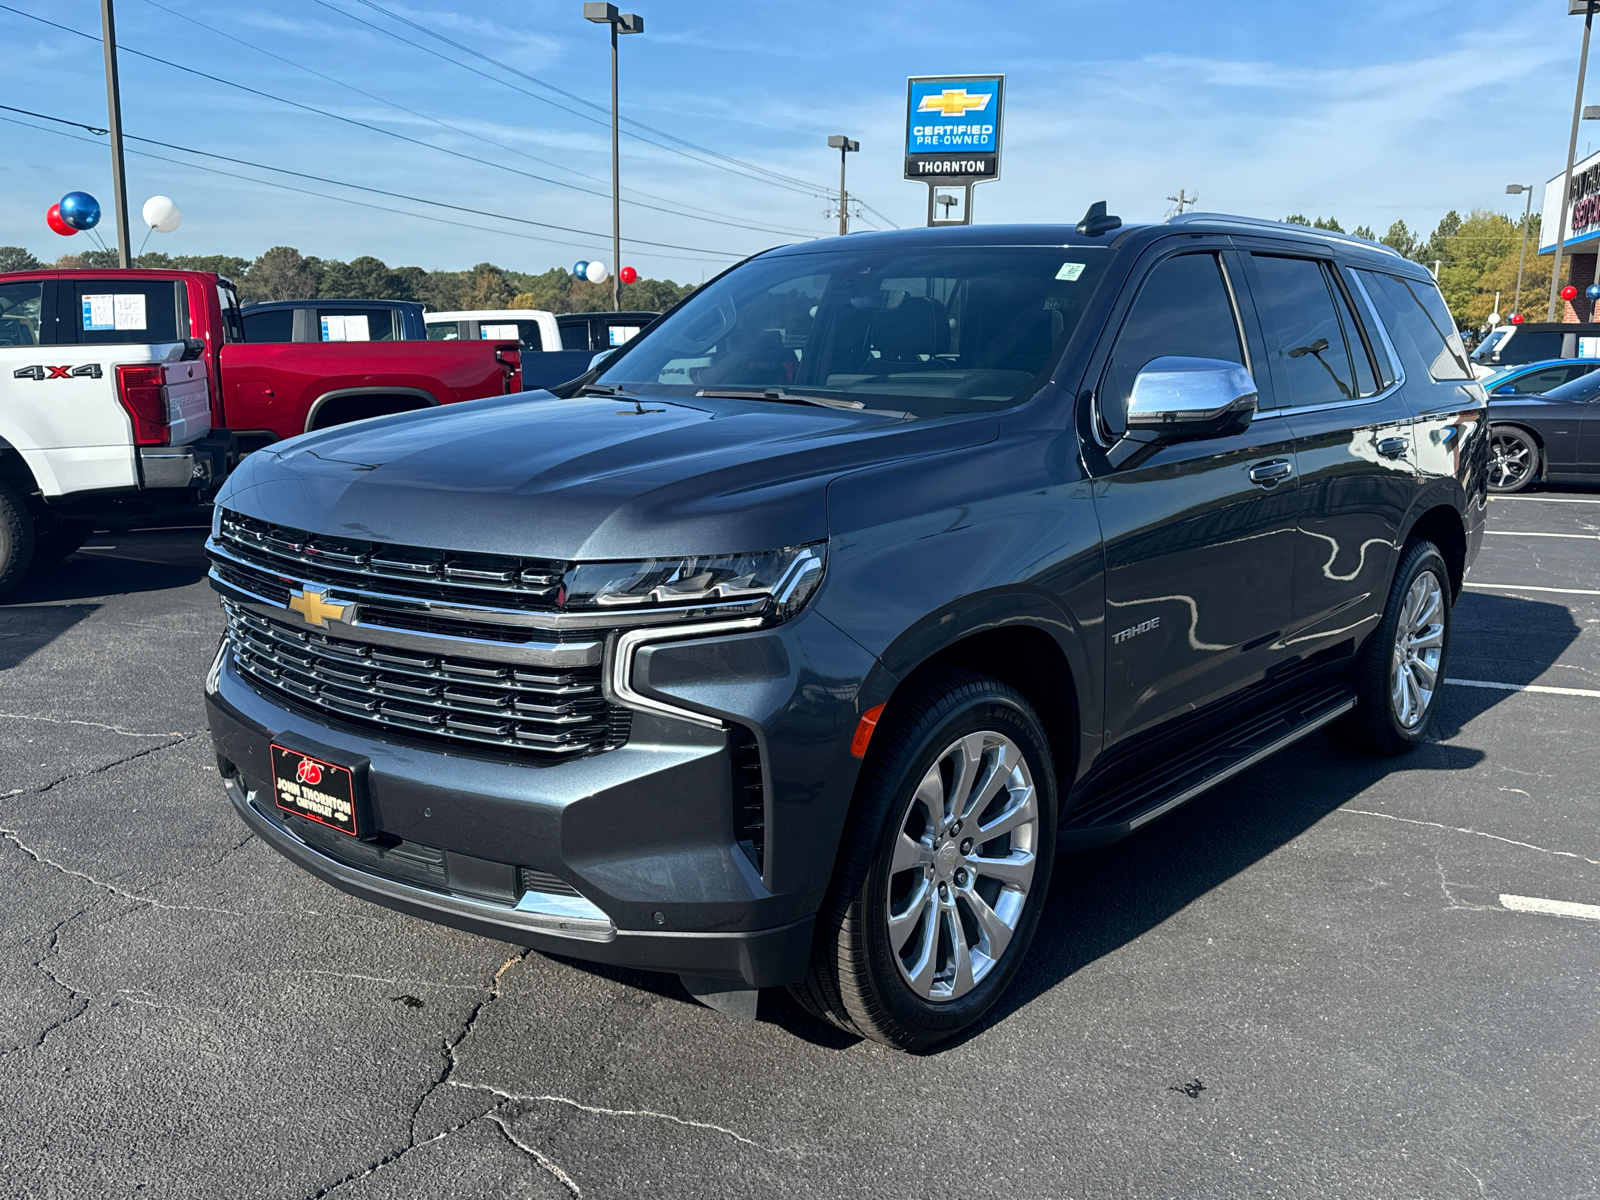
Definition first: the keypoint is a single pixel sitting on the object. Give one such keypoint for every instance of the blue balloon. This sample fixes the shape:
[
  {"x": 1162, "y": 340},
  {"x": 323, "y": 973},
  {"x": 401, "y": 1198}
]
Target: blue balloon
[
  {"x": 1592, "y": 292},
  {"x": 579, "y": 267},
  {"x": 80, "y": 210}
]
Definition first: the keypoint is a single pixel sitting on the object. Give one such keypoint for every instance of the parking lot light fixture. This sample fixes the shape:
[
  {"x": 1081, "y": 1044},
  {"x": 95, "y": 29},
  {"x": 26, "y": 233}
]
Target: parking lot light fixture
[
  {"x": 1519, "y": 189},
  {"x": 844, "y": 146},
  {"x": 607, "y": 14}
]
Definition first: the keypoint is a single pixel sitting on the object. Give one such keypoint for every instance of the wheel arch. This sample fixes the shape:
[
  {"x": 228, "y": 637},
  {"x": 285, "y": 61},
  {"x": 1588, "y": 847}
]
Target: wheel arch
[
  {"x": 1442, "y": 525},
  {"x": 410, "y": 394}
]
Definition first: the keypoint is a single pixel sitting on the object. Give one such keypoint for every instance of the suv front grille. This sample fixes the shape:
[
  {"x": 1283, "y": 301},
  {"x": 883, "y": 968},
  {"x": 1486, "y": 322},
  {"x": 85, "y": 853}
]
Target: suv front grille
[
  {"x": 554, "y": 713},
  {"x": 501, "y": 581}
]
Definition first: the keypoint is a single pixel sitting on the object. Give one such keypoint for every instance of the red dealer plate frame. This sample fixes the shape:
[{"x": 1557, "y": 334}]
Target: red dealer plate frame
[{"x": 316, "y": 789}]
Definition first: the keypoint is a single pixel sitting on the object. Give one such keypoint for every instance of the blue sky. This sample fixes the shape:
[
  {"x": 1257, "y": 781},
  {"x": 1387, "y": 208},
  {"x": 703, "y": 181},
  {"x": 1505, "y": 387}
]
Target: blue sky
[{"x": 1366, "y": 111}]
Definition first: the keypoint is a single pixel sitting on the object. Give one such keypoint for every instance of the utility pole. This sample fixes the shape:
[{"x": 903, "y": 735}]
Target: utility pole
[
  {"x": 844, "y": 146},
  {"x": 1513, "y": 189},
  {"x": 1184, "y": 200},
  {"x": 1573, "y": 9},
  {"x": 606, "y": 14},
  {"x": 119, "y": 183}
]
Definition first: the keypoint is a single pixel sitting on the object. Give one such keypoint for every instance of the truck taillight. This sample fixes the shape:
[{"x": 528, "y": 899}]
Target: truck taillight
[{"x": 140, "y": 388}]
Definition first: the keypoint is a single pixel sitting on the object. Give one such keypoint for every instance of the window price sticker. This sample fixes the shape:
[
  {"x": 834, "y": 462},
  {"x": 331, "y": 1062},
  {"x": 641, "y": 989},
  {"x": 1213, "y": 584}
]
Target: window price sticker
[
  {"x": 122, "y": 310},
  {"x": 353, "y": 328}
]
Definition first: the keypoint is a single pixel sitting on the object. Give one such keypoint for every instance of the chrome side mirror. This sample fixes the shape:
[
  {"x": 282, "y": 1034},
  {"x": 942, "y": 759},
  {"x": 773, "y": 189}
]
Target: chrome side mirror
[{"x": 1178, "y": 399}]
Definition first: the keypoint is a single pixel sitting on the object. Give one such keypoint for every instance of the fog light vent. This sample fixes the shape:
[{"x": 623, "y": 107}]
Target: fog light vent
[
  {"x": 749, "y": 796},
  {"x": 530, "y": 879}
]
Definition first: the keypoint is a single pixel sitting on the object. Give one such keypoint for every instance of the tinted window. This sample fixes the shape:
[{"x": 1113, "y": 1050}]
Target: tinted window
[
  {"x": 1355, "y": 335},
  {"x": 1182, "y": 309},
  {"x": 1420, "y": 313},
  {"x": 1305, "y": 338},
  {"x": 574, "y": 335},
  {"x": 129, "y": 311},
  {"x": 1486, "y": 348},
  {"x": 443, "y": 331},
  {"x": 1543, "y": 379},
  {"x": 1388, "y": 372},
  {"x": 956, "y": 329},
  {"x": 1585, "y": 389},
  {"x": 1527, "y": 347},
  {"x": 356, "y": 324},
  {"x": 232, "y": 321},
  {"x": 273, "y": 325},
  {"x": 526, "y": 333},
  {"x": 20, "y": 305}
]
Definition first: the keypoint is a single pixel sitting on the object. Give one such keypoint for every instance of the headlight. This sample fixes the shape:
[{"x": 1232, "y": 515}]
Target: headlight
[{"x": 776, "y": 582}]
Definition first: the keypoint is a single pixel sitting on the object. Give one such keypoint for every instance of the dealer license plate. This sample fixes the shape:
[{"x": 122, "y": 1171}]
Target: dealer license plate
[{"x": 319, "y": 791}]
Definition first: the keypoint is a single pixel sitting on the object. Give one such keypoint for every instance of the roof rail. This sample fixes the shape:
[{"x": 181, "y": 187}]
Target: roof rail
[{"x": 1281, "y": 227}]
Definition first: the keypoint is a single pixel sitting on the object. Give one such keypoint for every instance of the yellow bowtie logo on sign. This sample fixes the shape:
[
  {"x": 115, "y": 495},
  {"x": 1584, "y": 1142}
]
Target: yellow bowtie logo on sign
[
  {"x": 311, "y": 603},
  {"x": 954, "y": 102}
]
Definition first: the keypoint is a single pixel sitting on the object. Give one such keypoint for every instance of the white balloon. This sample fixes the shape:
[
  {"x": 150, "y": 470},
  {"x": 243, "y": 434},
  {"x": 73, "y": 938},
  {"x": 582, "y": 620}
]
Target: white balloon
[
  {"x": 161, "y": 214},
  {"x": 596, "y": 273}
]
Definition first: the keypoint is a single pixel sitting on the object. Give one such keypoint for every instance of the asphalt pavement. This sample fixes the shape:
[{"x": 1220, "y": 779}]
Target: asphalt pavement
[{"x": 1330, "y": 977}]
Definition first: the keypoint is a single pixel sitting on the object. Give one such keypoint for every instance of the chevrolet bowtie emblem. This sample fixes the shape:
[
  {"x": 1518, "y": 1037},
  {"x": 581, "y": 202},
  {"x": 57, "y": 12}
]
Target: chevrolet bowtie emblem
[
  {"x": 953, "y": 102},
  {"x": 312, "y": 604}
]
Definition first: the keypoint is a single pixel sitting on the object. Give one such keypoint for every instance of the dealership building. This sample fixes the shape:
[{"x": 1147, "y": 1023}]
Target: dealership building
[{"x": 1583, "y": 234}]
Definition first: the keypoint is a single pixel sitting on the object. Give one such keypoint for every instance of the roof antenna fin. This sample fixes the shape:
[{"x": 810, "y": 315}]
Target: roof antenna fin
[{"x": 1095, "y": 221}]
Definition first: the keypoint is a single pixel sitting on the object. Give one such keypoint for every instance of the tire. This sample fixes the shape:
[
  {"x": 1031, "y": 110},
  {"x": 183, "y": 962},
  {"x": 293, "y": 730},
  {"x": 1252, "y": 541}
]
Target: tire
[
  {"x": 1513, "y": 459},
  {"x": 1394, "y": 706},
  {"x": 905, "y": 948},
  {"x": 16, "y": 538},
  {"x": 54, "y": 542}
]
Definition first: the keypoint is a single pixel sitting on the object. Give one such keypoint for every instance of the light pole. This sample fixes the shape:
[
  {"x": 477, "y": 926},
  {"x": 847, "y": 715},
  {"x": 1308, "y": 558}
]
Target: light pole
[
  {"x": 844, "y": 146},
  {"x": 1519, "y": 189},
  {"x": 606, "y": 14},
  {"x": 119, "y": 184},
  {"x": 1586, "y": 9}
]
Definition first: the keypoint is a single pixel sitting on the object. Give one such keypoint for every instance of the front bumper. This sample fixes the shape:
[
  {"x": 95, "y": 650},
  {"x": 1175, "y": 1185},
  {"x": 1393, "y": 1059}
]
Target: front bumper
[{"x": 644, "y": 832}]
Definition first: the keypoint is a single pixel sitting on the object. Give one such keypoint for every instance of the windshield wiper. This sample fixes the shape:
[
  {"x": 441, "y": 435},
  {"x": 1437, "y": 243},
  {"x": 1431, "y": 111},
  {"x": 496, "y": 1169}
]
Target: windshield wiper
[
  {"x": 782, "y": 397},
  {"x": 603, "y": 389}
]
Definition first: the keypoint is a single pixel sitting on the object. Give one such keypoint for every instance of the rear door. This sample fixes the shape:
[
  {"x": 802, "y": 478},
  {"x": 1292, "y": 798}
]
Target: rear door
[
  {"x": 1199, "y": 535},
  {"x": 1353, "y": 443}
]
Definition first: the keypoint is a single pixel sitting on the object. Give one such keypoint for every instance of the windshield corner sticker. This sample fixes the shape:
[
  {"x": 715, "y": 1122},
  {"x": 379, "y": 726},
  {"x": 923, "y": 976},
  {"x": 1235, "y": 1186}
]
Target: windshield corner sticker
[
  {"x": 1070, "y": 271},
  {"x": 122, "y": 310}
]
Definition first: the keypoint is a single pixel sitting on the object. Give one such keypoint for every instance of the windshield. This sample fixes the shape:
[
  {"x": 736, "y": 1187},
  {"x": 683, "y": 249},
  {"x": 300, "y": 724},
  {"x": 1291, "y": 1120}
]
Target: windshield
[
  {"x": 1486, "y": 347},
  {"x": 921, "y": 331},
  {"x": 1584, "y": 388}
]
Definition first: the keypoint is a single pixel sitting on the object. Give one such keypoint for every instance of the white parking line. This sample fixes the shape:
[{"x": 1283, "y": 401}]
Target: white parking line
[
  {"x": 1547, "y": 499},
  {"x": 1517, "y": 587},
  {"x": 1586, "y": 537},
  {"x": 1525, "y": 687},
  {"x": 1554, "y": 908}
]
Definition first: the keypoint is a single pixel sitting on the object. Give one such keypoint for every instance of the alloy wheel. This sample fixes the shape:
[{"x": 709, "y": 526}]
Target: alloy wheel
[
  {"x": 964, "y": 859},
  {"x": 1510, "y": 461},
  {"x": 1418, "y": 647}
]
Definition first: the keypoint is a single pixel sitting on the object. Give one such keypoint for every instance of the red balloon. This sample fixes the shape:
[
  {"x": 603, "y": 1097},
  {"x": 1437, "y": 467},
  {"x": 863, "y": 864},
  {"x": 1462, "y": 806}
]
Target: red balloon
[
  {"x": 1516, "y": 318},
  {"x": 53, "y": 219},
  {"x": 627, "y": 275},
  {"x": 1569, "y": 292}
]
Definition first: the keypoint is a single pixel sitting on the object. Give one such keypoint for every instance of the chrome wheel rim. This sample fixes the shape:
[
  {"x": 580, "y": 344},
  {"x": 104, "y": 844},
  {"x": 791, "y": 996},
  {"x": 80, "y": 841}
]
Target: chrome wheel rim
[
  {"x": 964, "y": 858},
  {"x": 1510, "y": 461},
  {"x": 1418, "y": 647}
]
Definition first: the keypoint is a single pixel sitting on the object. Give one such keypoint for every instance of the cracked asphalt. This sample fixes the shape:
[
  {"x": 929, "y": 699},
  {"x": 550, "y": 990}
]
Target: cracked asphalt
[{"x": 1303, "y": 984}]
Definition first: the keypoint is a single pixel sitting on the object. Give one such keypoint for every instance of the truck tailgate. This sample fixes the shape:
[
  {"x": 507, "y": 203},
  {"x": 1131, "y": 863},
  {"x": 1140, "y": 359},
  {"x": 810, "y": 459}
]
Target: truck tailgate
[{"x": 188, "y": 400}]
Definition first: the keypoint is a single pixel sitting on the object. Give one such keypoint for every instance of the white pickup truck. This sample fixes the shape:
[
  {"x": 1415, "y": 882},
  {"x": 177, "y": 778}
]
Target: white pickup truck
[
  {"x": 105, "y": 407},
  {"x": 555, "y": 349}
]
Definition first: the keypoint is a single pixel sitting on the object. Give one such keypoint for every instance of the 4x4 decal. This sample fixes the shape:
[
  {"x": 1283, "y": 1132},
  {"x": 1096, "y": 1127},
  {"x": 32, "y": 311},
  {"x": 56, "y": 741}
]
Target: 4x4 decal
[{"x": 82, "y": 371}]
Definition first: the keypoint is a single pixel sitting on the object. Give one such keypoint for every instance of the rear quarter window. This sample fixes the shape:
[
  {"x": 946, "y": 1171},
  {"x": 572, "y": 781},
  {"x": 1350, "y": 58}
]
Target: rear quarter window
[
  {"x": 1417, "y": 315},
  {"x": 273, "y": 325},
  {"x": 113, "y": 312},
  {"x": 21, "y": 307}
]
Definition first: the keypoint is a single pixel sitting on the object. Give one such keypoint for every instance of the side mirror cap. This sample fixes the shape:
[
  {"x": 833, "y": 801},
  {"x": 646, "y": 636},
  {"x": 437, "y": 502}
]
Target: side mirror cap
[{"x": 1179, "y": 399}]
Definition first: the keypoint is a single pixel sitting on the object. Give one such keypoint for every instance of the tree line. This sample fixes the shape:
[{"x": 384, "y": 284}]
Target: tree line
[
  {"x": 1476, "y": 257},
  {"x": 283, "y": 273}
]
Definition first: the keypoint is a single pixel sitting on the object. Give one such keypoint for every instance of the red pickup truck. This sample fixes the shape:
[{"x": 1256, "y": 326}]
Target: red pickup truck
[{"x": 125, "y": 394}]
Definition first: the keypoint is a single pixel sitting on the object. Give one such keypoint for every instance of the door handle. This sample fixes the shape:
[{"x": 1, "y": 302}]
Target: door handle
[
  {"x": 1271, "y": 474},
  {"x": 1393, "y": 447}
]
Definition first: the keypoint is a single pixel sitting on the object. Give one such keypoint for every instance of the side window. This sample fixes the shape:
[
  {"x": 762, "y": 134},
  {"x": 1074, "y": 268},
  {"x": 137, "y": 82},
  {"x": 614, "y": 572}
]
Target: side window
[
  {"x": 1182, "y": 309},
  {"x": 1420, "y": 313},
  {"x": 271, "y": 325},
  {"x": 232, "y": 322},
  {"x": 1361, "y": 348},
  {"x": 356, "y": 324},
  {"x": 1305, "y": 337},
  {"x": 112, "y": 312},
  {"x": 443, "y": 331},
  {"x": 21, "y": 309},
  {"x": 1388, "y": 371},
  {"x": 575, "y": 335},
  {"x": 528, "y": 338}
]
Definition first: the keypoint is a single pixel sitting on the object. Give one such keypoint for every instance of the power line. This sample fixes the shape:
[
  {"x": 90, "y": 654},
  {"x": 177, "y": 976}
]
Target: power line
[
  {"x": 678, "y": 210},
  {"x": 359, "y": 124},
  {"x": 361, "y": 187}
]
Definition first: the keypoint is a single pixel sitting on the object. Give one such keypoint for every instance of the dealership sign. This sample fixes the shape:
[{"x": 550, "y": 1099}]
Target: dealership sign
[
  {"x": 1583, "y": 213},
  {"x": 953, "y": 127}
]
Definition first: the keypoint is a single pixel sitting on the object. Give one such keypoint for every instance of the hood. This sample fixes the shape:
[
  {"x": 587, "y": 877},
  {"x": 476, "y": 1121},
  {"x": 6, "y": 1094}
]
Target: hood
[{"x": 584, "y": 478}]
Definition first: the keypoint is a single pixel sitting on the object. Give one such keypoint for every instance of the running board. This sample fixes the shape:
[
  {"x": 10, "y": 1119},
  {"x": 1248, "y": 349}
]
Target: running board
[{"x": 1115, "y": 811}]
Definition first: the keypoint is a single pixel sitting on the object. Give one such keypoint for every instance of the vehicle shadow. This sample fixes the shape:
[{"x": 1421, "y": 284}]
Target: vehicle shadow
[
  {"x": 28, "y": 628},
  {"x": 1101, "y": 900},
  {"x": 146, "y": 561}
]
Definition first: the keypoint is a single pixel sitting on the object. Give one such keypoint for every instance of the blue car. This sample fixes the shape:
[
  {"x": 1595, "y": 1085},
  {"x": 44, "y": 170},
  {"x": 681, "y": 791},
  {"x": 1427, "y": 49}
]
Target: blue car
[{"x": 1536, "y": 378}]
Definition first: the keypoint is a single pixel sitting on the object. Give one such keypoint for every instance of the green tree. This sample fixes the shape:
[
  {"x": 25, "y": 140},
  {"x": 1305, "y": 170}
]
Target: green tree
[
  {"x": 15, "y": 258},
  {"x": 486, "y": 286},
  {"x": 1365, "y": 231},
  {"x": 1297, "y": 219},
  {"x": 1401, "y": 240},
  {"x": 281, "y": 273},
  {"x": 1328, "y": 223},
  {"x": 1449, "y": 225},
  {"x": 1479, "y": 244}
]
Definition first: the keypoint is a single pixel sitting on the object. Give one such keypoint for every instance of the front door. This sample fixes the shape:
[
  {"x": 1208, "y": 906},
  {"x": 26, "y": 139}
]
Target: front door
[{"x": 1199, "y": 535}]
